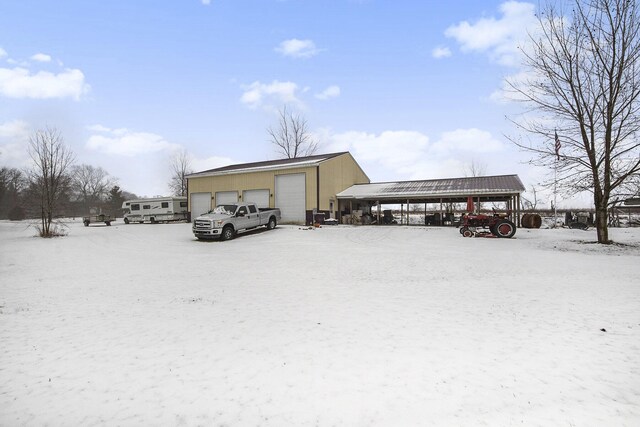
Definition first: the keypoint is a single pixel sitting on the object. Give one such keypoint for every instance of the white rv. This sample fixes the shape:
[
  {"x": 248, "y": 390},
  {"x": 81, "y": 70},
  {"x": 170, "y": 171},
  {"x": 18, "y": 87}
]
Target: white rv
[{"x": 158, "y": 209}]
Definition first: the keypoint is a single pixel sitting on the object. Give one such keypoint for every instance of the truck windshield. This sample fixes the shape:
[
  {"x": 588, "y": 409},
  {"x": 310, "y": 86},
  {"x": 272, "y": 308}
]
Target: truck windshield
[{"x": 225, "y": 209}]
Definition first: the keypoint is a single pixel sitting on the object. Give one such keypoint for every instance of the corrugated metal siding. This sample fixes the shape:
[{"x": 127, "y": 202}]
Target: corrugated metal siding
[
  {"x": 253, "y": 181},
  {"x": 336, "y": 174}
]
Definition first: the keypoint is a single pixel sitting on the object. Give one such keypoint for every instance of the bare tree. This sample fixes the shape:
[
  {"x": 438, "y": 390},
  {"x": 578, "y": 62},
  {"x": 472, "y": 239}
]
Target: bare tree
[
  {"x": 291, "y": 136},
  {"x": 584, "y": 87},
  {"x": 530, "y": 203},
  {"x": 91, "y": 184},
  {"x": 49, "y": 176},
  {"x": 416, "y": 207},
  {"x": 180, "y": 168},
  {"x": 475, "y": 168}
]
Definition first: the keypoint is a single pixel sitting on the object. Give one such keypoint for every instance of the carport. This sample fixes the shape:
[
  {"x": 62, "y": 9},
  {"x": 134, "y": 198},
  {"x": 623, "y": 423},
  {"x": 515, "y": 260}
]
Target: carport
[{"x": 439, "y": 192}]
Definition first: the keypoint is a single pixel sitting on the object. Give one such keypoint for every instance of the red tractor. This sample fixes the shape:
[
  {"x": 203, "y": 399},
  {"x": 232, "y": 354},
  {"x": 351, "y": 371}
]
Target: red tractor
[{"x": 481, "y": 225}]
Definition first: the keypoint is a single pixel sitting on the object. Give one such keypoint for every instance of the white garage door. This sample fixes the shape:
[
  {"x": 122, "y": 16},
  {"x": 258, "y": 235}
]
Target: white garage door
[
  {"x": 259, "y": 197},
  {"x": 226, "y": 197},
  {"x": 200, "y": 204},
  {"x": 291, "y": 197}
]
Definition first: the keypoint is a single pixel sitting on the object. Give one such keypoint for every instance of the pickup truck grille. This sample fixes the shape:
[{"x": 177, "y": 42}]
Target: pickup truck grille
[{"x": 203, "y": 224}]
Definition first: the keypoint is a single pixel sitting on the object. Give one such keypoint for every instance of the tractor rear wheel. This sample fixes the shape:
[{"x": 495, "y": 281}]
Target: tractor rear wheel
[{"x": 504, "y": 228}]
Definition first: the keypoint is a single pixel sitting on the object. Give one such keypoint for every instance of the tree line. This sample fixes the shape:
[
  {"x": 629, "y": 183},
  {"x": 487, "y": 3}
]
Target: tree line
[{"x": 54, "y": 185}]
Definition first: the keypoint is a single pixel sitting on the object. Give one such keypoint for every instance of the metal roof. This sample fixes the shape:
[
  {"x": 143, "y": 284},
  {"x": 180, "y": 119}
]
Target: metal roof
[
  {"x": 268, "y": 165},
  {"x": 502, "y": 185}
]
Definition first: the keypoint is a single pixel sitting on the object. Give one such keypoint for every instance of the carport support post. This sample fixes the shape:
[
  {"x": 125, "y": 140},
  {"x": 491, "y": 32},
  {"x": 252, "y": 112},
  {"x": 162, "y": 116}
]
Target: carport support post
[
  {"x": 379, "y": 207},
  {"x": 407, "y": 211},
  {"x": 441, "y": 219},
  {"x": 401, "y": 213},
  {"x": 351, "y": 210}
]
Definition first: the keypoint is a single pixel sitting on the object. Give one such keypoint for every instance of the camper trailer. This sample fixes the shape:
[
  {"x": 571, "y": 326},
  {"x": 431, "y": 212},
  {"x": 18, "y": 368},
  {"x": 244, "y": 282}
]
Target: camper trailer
[{"x": 158, "y": 209}]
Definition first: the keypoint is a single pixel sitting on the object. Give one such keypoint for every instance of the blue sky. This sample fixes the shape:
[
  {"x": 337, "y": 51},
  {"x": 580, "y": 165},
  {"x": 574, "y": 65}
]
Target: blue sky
[{"x": 411, "y": 88}]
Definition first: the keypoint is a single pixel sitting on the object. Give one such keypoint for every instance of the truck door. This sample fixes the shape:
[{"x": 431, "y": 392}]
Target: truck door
[
  {"x": 253, "y": 215},
  {"x": 243, "y": 219}
]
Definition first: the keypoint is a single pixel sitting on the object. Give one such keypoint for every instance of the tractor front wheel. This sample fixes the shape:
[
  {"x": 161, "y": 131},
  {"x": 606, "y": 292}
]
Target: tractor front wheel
[
  {"x": 504, "y": 228},
  {"x": 467, "y": 232}
]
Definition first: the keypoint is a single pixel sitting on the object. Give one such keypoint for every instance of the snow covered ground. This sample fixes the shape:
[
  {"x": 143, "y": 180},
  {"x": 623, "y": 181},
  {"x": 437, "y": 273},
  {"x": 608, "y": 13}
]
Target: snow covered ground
[{"x": 391, "y": 326}]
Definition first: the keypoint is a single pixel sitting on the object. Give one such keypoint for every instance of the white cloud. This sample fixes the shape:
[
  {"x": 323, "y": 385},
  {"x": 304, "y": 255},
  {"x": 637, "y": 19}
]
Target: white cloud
[
  {"x": 506, "y": 93},
  {"x": 98, "y": 128},
  {"x": 14, "y": 137},
  {"x": 258, "y": 94},
  {"x": 405, "y": 154},
  {"x": 14, "y": 129},
  {"x": 3, "y": 53},
  {"x": 21, "y": 83},
  {"x": 441, "y": 52},
  {"x": 467, "y": 140},
  {"x": 499, "y": 37},
  {"x": 199, "y": 165},
  {"x": 330, "y": 92},
  {"x": 298, "y": 48},
  {"x": 41, "y": 57},
  {"x": 206, "y": 2},
  {"x": 125, "y": 142},
  {"x": 394, "y": 150}
]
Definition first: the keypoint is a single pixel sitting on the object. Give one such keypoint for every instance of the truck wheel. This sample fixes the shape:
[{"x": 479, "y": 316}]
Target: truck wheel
[
  {"x": 126, "y": 220},
  {"x": 86, "y": 223},
  {"x": 272, "y": 223},
  {"x": 108, "y": 223},
  {"x": 505, "y": 228},
  {"x": 227, "y": 233}
]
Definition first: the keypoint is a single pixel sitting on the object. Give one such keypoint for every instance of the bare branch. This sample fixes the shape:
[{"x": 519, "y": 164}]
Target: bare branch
[
  {"x": 50, "y": 173},
  {"x": 291, "y": 137},
  {"x": 180, "y": 168},
  {"x": 585, "y": 85}
]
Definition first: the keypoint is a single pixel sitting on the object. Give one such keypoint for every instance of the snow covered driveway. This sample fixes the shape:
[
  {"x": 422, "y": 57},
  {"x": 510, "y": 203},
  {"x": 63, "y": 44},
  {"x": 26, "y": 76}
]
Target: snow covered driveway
[{"x": 390, "y": 326}]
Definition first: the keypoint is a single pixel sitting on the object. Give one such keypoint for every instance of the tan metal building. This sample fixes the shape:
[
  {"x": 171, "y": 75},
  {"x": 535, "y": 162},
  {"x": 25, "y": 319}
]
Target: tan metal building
[{"x": 299, "y": 187}]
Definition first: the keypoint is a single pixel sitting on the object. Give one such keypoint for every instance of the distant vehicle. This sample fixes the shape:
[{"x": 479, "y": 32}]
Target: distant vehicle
[
  {"x": 93, "y": 218},
  {"x": 225, "y": 221},
  {"x": 154, "y": 210}
]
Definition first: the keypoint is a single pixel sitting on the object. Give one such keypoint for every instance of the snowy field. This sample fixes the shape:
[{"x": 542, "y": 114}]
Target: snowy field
[{"x": 339, "y": 326}]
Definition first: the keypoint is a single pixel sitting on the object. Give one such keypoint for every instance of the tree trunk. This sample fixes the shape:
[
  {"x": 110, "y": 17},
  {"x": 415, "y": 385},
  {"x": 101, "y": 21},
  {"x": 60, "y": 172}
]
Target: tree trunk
[{"x": 602, "y": 223}]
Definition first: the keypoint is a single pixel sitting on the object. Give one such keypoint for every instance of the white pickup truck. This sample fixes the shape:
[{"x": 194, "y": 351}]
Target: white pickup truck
[{"x": 225, "y": 221}]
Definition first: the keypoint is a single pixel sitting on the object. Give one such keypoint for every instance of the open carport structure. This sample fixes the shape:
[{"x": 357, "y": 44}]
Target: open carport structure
[{"x": 440, "y": 192}]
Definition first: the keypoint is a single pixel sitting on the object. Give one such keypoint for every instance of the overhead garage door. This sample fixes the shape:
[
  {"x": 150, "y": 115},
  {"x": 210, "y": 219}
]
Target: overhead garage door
[
  {"x": 226, "y": 197},
  {"x": 291, "y": 197},
  {"x": 200, "y": 204},
  {"x": 259, "y": 197}
]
